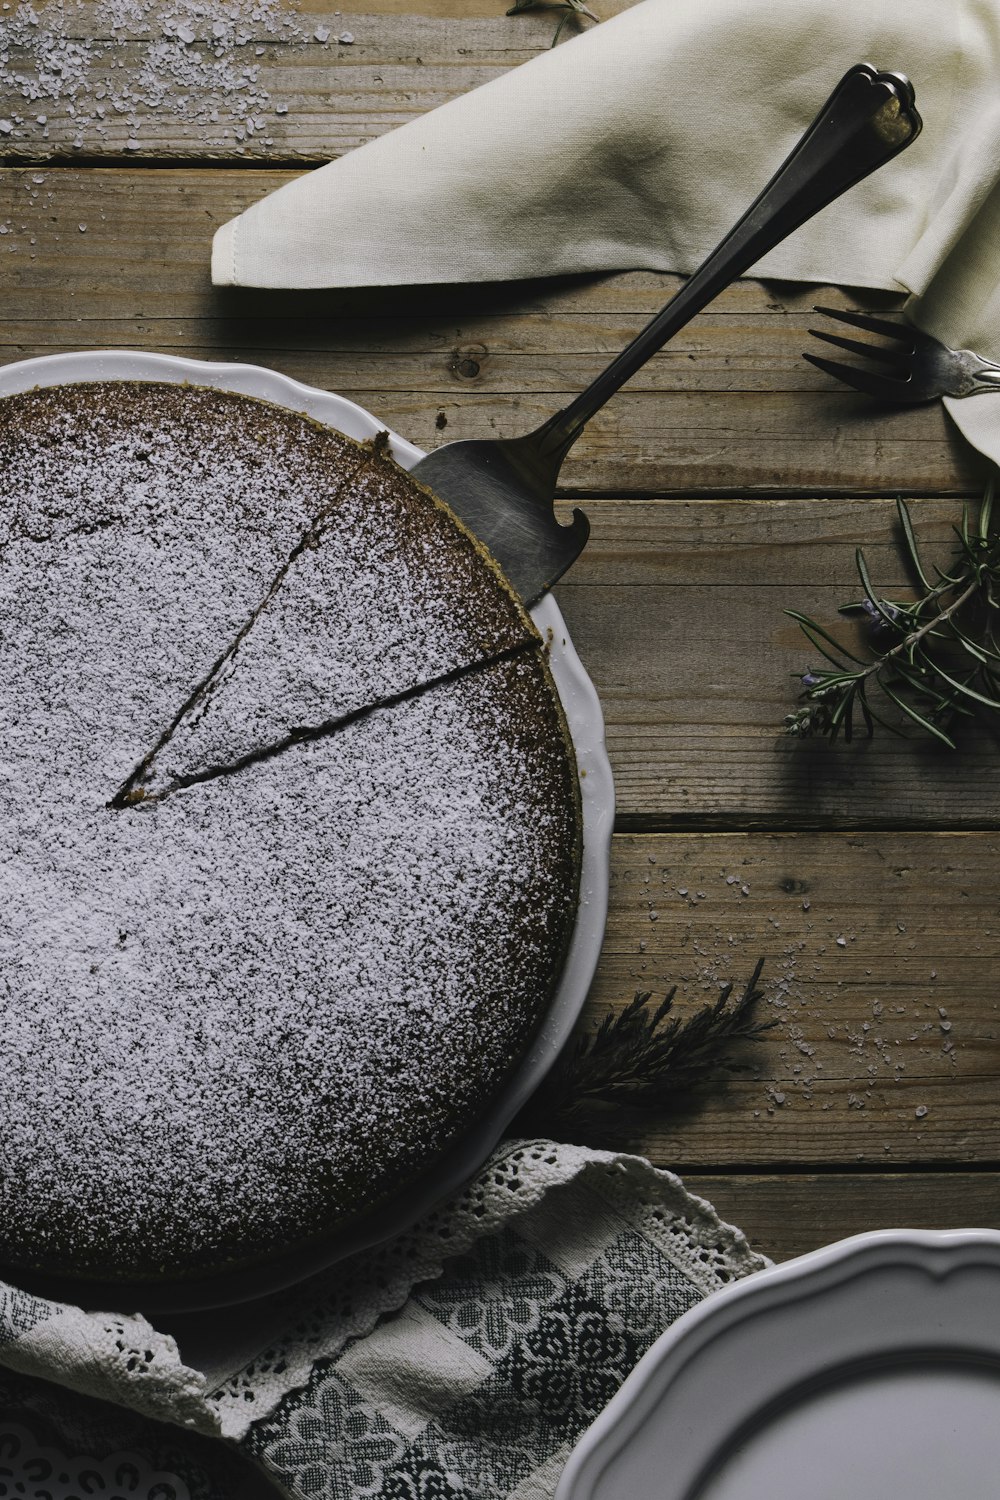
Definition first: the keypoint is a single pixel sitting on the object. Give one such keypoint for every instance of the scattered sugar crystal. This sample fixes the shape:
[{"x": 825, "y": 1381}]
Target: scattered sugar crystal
[
  {"x": 322, "y": 33},
  {"x": 345, "y": 38},
  {"x": 920, "y": 1111},
  {"x": 165, "y": 74}
]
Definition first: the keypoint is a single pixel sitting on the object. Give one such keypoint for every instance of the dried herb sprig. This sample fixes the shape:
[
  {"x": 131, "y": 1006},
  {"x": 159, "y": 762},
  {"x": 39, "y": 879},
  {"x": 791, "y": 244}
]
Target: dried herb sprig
[
  {"x": 644, "y": 1056},
  {"x": 572, "y": 8},
  {"x": 936, "y": 658}
]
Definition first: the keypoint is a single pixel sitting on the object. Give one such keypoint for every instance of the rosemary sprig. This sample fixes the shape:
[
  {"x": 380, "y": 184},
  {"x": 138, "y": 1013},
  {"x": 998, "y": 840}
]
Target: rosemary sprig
[
  {"x": 644, "y": 1056},
  {"x": 935, "y": 659},
  {"x": 572, "y": 8}
]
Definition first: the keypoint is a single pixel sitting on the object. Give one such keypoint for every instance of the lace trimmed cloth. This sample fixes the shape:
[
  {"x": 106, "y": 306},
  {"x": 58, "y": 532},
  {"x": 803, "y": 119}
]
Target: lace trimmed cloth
[{"x": 460, "y": 1361}]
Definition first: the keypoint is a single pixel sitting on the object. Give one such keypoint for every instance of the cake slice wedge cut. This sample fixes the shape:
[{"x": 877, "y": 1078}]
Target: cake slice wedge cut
[{"x": 383, "y": 594}]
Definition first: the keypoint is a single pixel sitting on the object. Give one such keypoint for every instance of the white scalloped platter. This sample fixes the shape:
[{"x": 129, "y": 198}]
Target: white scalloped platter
[
  {"x": 869, "y": 1370},
  {"x": 580, "y": 703}
]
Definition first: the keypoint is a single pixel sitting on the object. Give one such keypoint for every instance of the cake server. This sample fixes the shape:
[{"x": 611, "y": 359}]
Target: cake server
[{"x": 504, "y": 489}]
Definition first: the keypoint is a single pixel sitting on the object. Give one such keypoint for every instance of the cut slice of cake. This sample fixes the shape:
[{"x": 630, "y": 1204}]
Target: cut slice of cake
[{"x": 383, "y": 593}]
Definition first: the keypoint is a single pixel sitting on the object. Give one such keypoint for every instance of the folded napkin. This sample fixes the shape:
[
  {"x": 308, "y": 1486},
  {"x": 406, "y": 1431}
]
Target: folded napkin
[
  {"x": 459, "y": 1362},
  {"x": 639, "y": 142}
]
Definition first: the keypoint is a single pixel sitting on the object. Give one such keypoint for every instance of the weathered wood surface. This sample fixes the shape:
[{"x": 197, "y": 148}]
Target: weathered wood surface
[
  {"x": 263, "y": 89},
  {"x": 881, "y": 955},
  {"x": 677, "y": 608},
  {"x": 730, "y": 407},
  {"x": 789, "y": 1214}
]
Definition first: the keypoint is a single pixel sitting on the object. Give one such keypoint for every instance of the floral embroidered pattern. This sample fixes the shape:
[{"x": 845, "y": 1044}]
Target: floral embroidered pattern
[
  {"x": 635, "y": 1280},
  {"x": 573, "y": 1363},
  {"x": 492, "y": 1296},
  {"x": 425, "y": 1481},
  {"x": 554, "y": 1348},
  {"x": 328, "y": 1441}
]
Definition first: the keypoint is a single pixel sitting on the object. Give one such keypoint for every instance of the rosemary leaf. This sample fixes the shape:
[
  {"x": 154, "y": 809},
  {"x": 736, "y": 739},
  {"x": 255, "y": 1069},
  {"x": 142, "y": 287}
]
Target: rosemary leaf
[
  {"x": 931, "y": 659},
  {"x": 644, "y": 1056},
  {"x": 906, "y": 523}
]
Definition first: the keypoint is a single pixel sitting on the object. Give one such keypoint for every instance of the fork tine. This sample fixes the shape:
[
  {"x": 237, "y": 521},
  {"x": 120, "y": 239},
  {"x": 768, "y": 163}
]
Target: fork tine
[
  {"x": 856, "y": 346},
  {"x": 900, "y": 331},
  {"x": 882, "y": 387}
]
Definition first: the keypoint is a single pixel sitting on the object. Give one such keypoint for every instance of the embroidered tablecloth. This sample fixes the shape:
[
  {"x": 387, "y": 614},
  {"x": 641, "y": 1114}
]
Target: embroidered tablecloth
[{"x": 460, "y": 1361}]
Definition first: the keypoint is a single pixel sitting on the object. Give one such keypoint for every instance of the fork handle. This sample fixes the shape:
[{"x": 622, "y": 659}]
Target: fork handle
[
  {"x": 985, "y": 374},
  {"x": 868, "y": 119}
]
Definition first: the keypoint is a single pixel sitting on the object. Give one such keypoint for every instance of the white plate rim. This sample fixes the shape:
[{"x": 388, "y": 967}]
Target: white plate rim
[
  {"x": 577, "y": 695},
  {"x": 830, "y": 1283}
]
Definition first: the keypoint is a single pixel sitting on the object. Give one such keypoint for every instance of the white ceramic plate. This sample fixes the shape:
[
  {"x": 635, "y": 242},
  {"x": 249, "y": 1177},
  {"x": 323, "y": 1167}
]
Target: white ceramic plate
[
  {"x": 869, "y": 1370},
  {"x": 580, "y": 702}
]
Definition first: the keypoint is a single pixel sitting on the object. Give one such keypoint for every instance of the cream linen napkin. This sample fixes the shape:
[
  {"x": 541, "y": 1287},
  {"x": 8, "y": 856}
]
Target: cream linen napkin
[
  {"x": 639, "y": 142},
  {"x": 636, "y": 144}
]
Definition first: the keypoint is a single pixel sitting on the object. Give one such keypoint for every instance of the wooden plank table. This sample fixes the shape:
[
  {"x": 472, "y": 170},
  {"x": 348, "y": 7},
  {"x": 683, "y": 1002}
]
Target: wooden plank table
[{"x": 727, "y": 482}]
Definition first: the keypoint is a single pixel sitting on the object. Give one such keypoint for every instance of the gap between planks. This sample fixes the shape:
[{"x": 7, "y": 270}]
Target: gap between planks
[{"x": 789, "y": 1215}]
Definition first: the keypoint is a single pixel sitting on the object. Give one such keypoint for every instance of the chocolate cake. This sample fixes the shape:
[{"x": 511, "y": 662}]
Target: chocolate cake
[{"x": 289, "y": 831}]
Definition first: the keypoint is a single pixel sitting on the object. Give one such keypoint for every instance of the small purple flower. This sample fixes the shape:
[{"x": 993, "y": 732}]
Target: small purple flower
[{"x": 882, "y": 617}]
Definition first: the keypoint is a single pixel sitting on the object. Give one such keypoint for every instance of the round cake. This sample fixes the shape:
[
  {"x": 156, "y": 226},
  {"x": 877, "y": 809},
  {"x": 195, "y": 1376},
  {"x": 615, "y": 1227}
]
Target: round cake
[{"x": 289, "y": 832}]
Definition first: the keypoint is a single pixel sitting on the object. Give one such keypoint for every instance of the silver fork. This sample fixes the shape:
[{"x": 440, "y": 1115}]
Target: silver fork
[{"x": 917, "y": 366}]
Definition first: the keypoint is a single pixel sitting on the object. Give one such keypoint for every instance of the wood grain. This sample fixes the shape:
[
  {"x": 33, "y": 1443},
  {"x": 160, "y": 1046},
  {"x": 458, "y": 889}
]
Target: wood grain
[
  {"x": 729, "y": 408},
  {"x": 790, "y": 1213},
  {"x": 266, "y": 90},
  {"x": 881, "y": 954},
  {"x": 677, "y": 609}
]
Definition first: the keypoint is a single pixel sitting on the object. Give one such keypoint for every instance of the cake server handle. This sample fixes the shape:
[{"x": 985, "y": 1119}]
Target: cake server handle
[
  {"x": 504, "y": 489},
  {"x": 868, "y": 119}
]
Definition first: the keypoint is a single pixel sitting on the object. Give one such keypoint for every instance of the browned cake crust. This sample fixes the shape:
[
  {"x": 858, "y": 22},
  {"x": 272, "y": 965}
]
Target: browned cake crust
[{"x": 239, "y": 1017}]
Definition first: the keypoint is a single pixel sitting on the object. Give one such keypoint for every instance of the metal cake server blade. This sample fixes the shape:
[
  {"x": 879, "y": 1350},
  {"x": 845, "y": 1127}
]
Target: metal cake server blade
[{"x": 504, "y": 489}]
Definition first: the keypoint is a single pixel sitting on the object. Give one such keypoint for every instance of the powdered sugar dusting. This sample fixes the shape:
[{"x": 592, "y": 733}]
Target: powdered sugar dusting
[
  {"x": 380, "y": 596},
  {"x": 233, "y": 1015}
]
